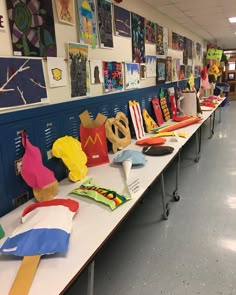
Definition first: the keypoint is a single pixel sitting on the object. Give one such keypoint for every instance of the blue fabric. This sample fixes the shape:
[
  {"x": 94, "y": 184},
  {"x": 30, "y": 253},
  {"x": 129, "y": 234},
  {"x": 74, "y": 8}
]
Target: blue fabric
[
  {"x": 136, "y": 157},
  {"x": 37, "y": 241}
]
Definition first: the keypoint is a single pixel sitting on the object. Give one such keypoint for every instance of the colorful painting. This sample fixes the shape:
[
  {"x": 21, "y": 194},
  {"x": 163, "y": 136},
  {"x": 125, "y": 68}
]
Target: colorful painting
[
  {"x": 105, "y": 23},
  {"x": 2, "y": 23},
  {"x": 65, "y": 11},
  {"x": 113, "y": 76},
  {"x": 175, "y": 41},
  {"x": 178, "y": 62},
  {"x": 21, "y": 82},
  {"x": 165, "y": 40},
  {"x": 96, "y": 71},
  {"x": 138, "y": 38},
  {"x": 168, "y": 69},
  {"x": 151, "y": 63},
  {"x": 57, "y": 71},
  {"x": 174, "y": 70},
  {"x": 185, "y": 52},
  {"x": 170, "y": 38},
  {"x": 182, "y": 72},
  {"x": 181, "y": 42},
  {"x": 189, "y": 71},
  {"x": 197, "y": 71},
  {"x": 161, "y": 71},
  {"x": 32, "y": 27},
  {"x": 132, "y": 76},
  {"x": 122, "y": 21},
  {"x": 159, "y": 40},
  {"x": 150, "y": 30},
  {"x": 87, "y": 22},
  {"x": 198, "y": 49},
  {"x": 189, "y": 46},
  {"x": 143, "y": 71},
  {"x": 78, "y": 56}
]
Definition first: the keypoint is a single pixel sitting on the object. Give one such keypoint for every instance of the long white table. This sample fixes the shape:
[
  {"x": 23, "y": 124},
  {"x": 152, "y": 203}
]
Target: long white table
[{"x": 93, "y": 224}]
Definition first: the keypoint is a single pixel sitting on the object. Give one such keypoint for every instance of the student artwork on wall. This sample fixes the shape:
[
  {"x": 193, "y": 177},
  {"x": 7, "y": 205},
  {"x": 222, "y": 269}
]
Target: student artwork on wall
[
  {"x": 32, "y": 27},
  {"x": 178, "y": 62},
  {"x": 174, "y": 70},
  {"x": 78, "y": 56},
  {"x": 2, "y": 22},
  {"x": 189, "y": 71},
  {"x": 185, "y": 52},
  {"x": 143, "y": 71},
  {"x": 105, "y": 23},
  {"x": 165, "y": 40},
  {"x": 113, "y": 76},
  {"x": 21, "y": 82},
  {"x": 65, "y": 11},
  {"x": 182, "y": 72},
  {"x": 189, "y": 46},
  {"x": 151, "y": 63},
  {"x": 96, "y": 71},
  {"x": 175, "y": 41},
  {"x": 138, "y": 38},
  {"x": 132, "y": 76},
  {"x": 169, "y": 38},
  {"x": 161, "y": 71},
  {"x": 168, "y": 69},
  {"x": 197, "y": 71},
  {"x": 181, "y": 42},
  {"x": 159, "y": 40},
  {"x": 87, "y": 22},
  {"x": 150, "y": 31},
  {"x": 57, "y": 71},
  {"x": 122, "y": 22},
  {"x": 198, "y": 49}
]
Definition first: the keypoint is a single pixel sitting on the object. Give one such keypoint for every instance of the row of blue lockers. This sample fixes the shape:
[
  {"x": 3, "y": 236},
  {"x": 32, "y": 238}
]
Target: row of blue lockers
[{"x": 45, "y": 124}]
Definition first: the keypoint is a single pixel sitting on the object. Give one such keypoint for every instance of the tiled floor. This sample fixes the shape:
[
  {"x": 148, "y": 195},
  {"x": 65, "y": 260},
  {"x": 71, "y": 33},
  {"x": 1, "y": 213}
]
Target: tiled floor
[{"x": 194, "y": 252}]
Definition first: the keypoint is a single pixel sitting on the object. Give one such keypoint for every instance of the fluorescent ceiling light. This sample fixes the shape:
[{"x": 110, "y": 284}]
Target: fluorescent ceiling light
[{"x": 232, "y": 19}]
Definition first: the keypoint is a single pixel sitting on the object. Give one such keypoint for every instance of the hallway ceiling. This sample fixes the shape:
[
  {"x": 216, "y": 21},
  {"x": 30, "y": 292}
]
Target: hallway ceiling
[{"x": 206, "y": 18}]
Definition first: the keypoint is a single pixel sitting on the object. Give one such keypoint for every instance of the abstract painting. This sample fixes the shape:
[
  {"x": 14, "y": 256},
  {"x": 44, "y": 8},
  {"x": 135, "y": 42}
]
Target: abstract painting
[
  {"x": 174, "y": 70},
  {"x": 168, "y": 69},
  {"x": 151, "y": 63},
  {"x": 150, "y": 29},
  {"x": 96, "y": 71},
  {"x": 105, "y": 23},
  {"x": 32, "y": 27},
  {"x": 65, "y": 11},
  {"x": 57, "y": 71},
  {"x": 87, "y": 22},
  {"x": 132, "y": 76},
  {"x": 122, "y": 22},
  {"x": 143, "y": 71},
  {"x": 175, "y": 41},
  {"x": 21, "y": 82},
  {"x": 159, "y": 40},
  {"x": 161, "y": 71},
  {"x": 182, "y": 72},
  {"x": 113, "y": 76},
  {"x": 78, "y": 56},
  {"x": 138, "y": 38},
  {"x": 165, "y": 40}
]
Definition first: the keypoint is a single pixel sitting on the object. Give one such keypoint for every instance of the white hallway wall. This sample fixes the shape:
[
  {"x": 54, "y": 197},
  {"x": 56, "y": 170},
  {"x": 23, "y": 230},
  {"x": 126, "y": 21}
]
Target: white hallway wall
[{"x": 122, "y": 50}]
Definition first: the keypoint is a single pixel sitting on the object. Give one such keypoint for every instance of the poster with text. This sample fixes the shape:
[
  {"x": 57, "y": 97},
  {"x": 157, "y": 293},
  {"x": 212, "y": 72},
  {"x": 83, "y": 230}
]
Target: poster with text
[
  {"x": 32, "y": 27},
  {"x": 105, "y": 23},
  {"x": 87, "y": 22},
  {"x": 113, "y": 76},
  {"x": 151, "y": 63},
  {"x": 21, "y": 82},
  {"x": 78, "y": 56},
  {"x": 57, "y": 71},
  {"x": 122, "y": 22},
  {"x": 150, "y": 29},
  {"x": 65, "y": 11},
  {"x": 138, "y": 38},
  {"x": 132, "y": 75}
]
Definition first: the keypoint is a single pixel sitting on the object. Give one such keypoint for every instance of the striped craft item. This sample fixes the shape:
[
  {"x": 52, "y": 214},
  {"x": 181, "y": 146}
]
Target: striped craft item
[
  {"x": 45, "y": 229},
  {"x": 137, "y": 119}
]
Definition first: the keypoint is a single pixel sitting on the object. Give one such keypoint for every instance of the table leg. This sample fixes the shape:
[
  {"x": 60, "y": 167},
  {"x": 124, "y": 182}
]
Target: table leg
[
  {"x": 166, "y": 209},
  {"x": 212, "y": 126},
  {"x": 175, "y": 193},
  {"x": 91, "y": 267},
  {"x": 220, "y": 109},
  {"x": 198, "y": 144}
]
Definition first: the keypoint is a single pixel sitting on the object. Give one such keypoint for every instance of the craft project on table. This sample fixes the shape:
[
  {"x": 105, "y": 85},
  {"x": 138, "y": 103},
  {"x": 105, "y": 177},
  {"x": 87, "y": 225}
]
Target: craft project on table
[
  {"x": 78, "y": 56},
  {"x": 21, "y": 82},
  {"x": 137, "y": 120},
  {"x": 122, "y": 22},
  {"x": 87, "y": 22},
  {"x": 105, "y": 23},
  {"x": 32, "y": 27},
  {"x": 113, "y": 76},
  {"x": 65, "y": 11},
  {"x": 138, "y": 38}
]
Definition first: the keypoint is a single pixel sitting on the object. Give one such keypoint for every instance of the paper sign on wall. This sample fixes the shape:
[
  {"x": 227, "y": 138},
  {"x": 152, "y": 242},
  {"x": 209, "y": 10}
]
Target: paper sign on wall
[
  {"x": 57, "y": 71},
  {"x": 213, "y": 53}
]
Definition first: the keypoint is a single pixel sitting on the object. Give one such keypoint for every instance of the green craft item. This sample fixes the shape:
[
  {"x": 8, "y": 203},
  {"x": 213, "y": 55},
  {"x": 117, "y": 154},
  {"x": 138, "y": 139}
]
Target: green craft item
[{"x": 2, "y": 233}]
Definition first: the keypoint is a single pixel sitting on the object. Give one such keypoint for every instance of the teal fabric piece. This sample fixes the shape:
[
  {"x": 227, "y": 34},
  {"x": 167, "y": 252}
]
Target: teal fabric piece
[{"x": 136, "y": 157}]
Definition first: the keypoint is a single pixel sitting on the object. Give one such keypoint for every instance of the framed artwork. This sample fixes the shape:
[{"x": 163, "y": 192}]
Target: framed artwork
[
  {"x": 32, "y": 28},
  {"x": 57, "y": 71},
  {"x": 113, "y": 76},
  {"x": 96, "y": 71},
  {"x": 65, "y": 11},
  {"x": 132, "y": 76},
  {"x": 87, "y": 22},
  {"x": 151, "y": 61},
  {"x": 21, "y": 82},
  {"x": 175, "y": 41},
  {"x": 122, "y": 24},
  {"x": 231, "y": 76},
  {"x": 78, "y": 56},
  {"x": 143, "y": 71},
  {"x": 182, "y": 73},
  {"x": 105, "y": 23},
  {"x": 165, "y": 40},
  {"x": 150, "y": 32},
  {"x": 138, "y": 38},
  {"x": 161, "y": 71},
  {"x": 189, "y": 70},
  {"x": 159, "y": 40},
  {"x": 169, "y": 69}
]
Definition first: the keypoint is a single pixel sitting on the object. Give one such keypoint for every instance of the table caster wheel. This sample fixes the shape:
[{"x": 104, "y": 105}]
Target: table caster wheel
[{"x": 176, "y": 196}]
